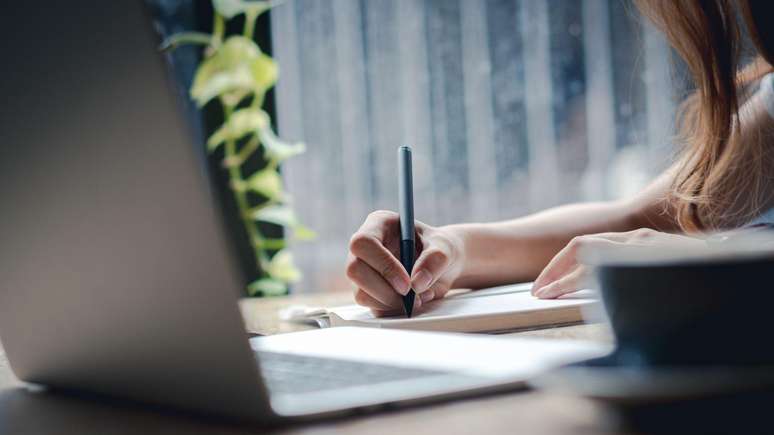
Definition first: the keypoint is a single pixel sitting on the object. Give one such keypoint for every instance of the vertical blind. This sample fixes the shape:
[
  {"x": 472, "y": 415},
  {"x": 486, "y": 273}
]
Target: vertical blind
[{"x": 511, "y": 106}]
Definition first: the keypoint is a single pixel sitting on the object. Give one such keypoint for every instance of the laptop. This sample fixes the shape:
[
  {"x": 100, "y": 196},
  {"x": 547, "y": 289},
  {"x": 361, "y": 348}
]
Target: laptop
[{"x": 117, "y": 275}]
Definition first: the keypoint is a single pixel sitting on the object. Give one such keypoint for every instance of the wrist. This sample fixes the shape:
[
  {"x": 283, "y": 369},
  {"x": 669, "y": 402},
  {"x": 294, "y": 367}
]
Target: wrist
[{"x": 461, "y": 237}]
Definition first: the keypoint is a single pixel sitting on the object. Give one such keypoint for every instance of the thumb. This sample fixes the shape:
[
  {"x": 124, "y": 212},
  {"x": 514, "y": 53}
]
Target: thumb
[{"x": 428, "y": 268}]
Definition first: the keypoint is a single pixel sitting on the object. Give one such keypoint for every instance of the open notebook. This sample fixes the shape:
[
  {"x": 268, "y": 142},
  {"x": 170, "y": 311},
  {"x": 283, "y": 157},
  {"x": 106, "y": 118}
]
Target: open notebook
[{"x": 488, "y": 310}]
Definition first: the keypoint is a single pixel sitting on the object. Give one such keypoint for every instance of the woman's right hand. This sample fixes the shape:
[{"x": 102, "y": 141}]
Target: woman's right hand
[{"x": 375, "y": 269}]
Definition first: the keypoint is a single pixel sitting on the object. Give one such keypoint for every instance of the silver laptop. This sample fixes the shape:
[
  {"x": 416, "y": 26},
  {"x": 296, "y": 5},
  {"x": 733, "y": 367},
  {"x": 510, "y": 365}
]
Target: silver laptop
[{"x": 116, "y": 273}]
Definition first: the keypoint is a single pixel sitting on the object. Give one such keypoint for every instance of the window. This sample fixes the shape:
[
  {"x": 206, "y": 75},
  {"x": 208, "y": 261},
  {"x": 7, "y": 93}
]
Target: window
[{"x": 511, "y": 106}]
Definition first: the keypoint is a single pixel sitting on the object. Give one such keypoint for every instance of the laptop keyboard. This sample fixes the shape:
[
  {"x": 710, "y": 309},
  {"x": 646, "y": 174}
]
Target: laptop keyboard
[{"x": 288, "y": 373}]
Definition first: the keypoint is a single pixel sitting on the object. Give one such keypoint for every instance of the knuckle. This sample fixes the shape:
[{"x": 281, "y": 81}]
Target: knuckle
[
  {"x": 437, "y": 256},
  {"x": 353, "y": 269},
  {"x": 381, "y": 215},
  {"x": 360, "y": 242}
]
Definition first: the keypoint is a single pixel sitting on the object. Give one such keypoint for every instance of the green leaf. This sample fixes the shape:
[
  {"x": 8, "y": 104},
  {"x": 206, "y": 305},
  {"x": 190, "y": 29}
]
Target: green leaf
[
  {"x": 239, "y": 124},
  {"x": 226, "y": 71},
  {"x": 281, "y": 271},
  {"x": 284, "y": 216},
  {"x": 267, "y": 182},
  {"x": 272, "y": 244},
  {"x": 277, "y": 149},
  {"x": 232, "y": 8},
  {"x": 183, "y": 38},
  {"x": 228, "y": 8},
  {"x": 265, "y": 72},
  {"x": 276, "y": 214},
  {"x": 236, "y": 69},
  {"x": 301, "y": 232},
  {"x": 267, "y": 287},
  {"x": 281, "y": 267}
]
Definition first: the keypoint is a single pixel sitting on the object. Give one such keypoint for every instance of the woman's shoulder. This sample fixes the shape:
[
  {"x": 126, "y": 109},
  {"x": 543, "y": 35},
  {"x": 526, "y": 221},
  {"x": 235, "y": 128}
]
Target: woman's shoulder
[
  {"x": 767, "y": 217},
  {"x": 766, "y": 90}
]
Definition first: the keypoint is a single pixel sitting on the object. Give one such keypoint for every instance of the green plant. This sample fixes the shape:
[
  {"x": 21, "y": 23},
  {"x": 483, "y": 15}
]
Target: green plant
[{"x": 236, "y": 73}]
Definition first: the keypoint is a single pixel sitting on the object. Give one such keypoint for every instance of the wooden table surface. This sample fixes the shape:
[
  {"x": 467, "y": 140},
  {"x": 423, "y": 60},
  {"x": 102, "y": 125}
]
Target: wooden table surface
[{"x": 528, "y": 412}]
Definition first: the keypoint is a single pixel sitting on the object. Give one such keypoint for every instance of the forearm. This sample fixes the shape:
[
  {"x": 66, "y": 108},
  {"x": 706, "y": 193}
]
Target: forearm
[{"x": 517, "y": 250}]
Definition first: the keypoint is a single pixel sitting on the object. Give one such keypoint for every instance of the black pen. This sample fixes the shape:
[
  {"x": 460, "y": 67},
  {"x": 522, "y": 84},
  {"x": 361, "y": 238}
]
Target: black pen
[{"x": 406, "y": 214}]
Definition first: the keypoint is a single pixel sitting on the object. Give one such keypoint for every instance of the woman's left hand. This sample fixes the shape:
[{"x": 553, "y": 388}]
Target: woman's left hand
[{"x": 566, "y": 274}]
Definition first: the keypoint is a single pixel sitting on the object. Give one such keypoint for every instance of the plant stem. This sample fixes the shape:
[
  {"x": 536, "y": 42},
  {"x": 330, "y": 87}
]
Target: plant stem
[
  {"x": 250, "y": 18},
  {"x": 235, "y": 177},
  {"x": 178, "y": 39},
  {"x": 218, "y": 29},
  {"x": 241, "y": 157}
]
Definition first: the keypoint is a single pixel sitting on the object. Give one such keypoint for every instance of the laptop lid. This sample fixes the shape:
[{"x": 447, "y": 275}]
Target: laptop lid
[{"x": 115, "y": 275}]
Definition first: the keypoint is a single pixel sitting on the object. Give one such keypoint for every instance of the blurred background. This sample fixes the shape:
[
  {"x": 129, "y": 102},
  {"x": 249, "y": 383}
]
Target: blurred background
[{"x": 511, "y": 106}]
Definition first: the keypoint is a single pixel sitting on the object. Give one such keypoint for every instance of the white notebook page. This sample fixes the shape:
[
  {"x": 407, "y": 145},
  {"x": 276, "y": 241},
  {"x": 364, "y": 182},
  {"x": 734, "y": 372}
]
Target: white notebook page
[{"x": 497, "y": 300}]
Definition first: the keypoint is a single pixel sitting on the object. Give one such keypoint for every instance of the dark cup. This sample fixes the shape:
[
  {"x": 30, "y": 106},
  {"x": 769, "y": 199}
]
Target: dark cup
[{"x": 713, "y": 312}]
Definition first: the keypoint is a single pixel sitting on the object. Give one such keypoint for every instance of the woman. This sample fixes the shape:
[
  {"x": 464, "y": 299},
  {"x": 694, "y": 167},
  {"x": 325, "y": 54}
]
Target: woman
[{"x": 722, "y": 179}]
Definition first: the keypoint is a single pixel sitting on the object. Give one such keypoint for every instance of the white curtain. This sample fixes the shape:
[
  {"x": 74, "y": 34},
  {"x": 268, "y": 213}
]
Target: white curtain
[{"x": 511, "y": 106}]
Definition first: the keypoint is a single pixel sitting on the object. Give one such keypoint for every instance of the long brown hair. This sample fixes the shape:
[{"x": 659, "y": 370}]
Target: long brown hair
[{"x": 719, "y": 180}]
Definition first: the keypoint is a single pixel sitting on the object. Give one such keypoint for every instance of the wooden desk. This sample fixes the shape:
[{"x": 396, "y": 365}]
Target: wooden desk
[{"x": 526, "y": 412}]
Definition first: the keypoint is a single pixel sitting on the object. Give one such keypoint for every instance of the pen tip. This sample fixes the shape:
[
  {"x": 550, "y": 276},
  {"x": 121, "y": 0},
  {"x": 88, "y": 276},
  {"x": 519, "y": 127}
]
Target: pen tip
[{"x": 408, "y": 303}]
